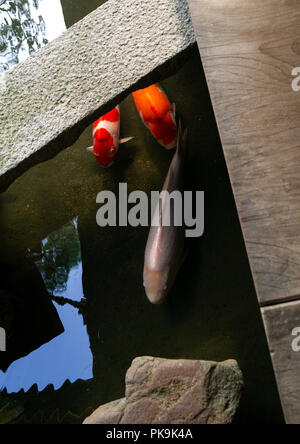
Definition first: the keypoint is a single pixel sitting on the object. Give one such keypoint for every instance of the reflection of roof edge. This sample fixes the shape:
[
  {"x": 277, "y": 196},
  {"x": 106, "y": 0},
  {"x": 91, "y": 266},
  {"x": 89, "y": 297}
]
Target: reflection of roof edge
[
  {"x": 50, "y": 388},
  {"x": 55, "y": 416}
]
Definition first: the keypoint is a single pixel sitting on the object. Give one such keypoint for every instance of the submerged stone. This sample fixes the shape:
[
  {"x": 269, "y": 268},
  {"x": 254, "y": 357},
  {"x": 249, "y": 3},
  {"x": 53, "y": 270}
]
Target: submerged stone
[{"x": 164, "y": 391}]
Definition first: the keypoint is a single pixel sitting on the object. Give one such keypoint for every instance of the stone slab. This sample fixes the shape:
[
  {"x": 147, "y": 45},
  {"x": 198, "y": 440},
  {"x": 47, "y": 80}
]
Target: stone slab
[{"x": 50, "y": 98}]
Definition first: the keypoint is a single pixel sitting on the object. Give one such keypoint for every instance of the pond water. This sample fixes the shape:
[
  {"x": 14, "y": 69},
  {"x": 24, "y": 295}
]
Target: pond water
[
  {"x": 69, "y": 352},
  {"x": 67, "y": 356}
]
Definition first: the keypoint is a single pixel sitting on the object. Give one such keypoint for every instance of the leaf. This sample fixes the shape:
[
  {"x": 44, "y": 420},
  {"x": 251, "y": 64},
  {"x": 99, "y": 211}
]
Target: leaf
[{"x": 13, "y": 7}]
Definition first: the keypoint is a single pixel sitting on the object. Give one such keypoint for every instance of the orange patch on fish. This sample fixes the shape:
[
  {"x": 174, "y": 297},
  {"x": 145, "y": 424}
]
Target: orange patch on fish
[
  {"x": 157, "y": 113},
  {"x": 104, "y": 148},
  {"x": 112, "y": 116}
]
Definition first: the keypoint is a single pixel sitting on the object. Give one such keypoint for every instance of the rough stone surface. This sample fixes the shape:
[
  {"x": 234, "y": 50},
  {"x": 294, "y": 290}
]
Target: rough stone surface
[
  {"x": 50, "y": 98},
  {"x": 110, "y": 413},
  {"x": 163, "y": 391}
]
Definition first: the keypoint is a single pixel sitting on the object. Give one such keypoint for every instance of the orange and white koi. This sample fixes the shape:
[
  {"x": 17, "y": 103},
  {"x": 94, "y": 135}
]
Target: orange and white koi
[
  {"x": 106, "y": 134},
  {"x": 158, "y": 114}
]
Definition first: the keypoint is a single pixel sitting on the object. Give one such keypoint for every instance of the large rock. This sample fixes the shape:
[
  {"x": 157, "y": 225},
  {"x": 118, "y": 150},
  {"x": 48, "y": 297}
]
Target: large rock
[
  {"x": 163, "y": 391},
  {"x": 110, "y": 413},
  {"x": 50, "y": 98}
]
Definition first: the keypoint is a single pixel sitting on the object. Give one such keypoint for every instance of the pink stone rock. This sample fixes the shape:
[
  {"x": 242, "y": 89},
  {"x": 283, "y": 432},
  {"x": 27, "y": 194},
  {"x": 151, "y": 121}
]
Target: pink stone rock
[{"x": 163, "y": 391}]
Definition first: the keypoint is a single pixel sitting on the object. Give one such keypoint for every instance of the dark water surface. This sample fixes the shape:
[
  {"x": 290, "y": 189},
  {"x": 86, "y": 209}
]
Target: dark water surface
[{"x": 72, "y": 351}]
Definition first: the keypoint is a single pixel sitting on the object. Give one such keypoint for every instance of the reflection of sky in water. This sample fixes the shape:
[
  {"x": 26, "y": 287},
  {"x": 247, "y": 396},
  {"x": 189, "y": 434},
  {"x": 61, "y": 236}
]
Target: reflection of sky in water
[
  {"x": 66, "y": 357},
  {"x": 51, "y": 14}
]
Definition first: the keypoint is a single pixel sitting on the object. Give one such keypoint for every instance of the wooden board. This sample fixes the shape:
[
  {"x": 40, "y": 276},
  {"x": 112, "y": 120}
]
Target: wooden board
[
  {"x": 280, "y": 321},
  {"x": 249, "y": 49}
]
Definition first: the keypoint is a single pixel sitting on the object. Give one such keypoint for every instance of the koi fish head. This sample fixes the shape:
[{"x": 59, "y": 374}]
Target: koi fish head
[
  {"x": 157, "y": 285},
  {"x": 106, "y": 131},
  {"x": 104, "y": 148}
]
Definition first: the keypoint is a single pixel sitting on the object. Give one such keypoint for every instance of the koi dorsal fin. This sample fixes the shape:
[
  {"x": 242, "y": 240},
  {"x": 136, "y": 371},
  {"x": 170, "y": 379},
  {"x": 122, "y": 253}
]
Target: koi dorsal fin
[
  {"x": 160, "y": 212},
  {"x": 174, "y": 109},
  {"x": 181, "y": 141}
]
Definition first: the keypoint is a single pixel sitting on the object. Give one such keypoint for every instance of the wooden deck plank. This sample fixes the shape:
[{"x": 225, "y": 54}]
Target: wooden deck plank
[
  {"x": 280, "y": 321},
  {"x": 249, "y": 49}
]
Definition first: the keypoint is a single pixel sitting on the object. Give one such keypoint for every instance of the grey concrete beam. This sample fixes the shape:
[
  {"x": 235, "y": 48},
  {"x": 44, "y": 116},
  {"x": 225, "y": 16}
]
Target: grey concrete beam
[{"x": 48, "y": 100}]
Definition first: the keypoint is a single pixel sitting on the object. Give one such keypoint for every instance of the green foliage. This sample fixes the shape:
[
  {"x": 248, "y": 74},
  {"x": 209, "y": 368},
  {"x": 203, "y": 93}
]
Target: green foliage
[
  {"x": 60, "y": 253},
  {"x": 9, "y": 410},
  {"x": 19, "y": 31}
]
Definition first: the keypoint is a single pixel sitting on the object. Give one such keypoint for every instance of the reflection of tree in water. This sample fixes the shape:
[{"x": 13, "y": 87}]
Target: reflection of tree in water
[
  {"x": 60, "y": 253},
  {"x": 19, "y": 31}
]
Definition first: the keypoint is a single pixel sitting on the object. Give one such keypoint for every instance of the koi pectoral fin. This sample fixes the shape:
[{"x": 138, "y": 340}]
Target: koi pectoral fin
[
  {"x": 90, "y": 149},
  {"x": 126, "y": 139}
]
